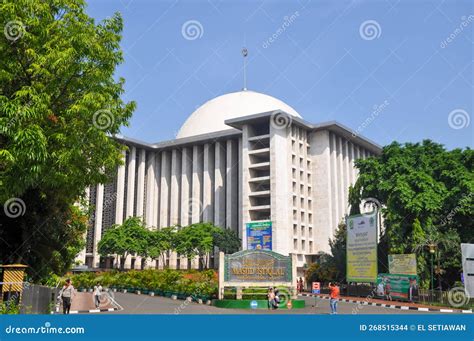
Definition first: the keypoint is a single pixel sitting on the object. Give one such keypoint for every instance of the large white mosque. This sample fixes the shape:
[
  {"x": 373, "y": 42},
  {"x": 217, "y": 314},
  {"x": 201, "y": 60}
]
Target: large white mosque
[{"x": 241, "y": 158}]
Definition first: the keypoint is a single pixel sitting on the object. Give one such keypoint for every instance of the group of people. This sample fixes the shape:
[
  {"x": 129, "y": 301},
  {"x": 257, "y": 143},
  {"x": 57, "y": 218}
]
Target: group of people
[
  {"x": 68, "y": 292},
  {"x": 273, "y": 298}
]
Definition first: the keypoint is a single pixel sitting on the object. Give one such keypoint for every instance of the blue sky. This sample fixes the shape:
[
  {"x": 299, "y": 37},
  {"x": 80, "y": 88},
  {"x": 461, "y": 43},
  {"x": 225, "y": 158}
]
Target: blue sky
[{"x": 330, "y": 60}]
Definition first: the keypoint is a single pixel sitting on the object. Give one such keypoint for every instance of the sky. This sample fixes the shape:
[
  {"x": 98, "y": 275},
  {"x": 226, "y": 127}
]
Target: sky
[{"x": 393, "y": 70}]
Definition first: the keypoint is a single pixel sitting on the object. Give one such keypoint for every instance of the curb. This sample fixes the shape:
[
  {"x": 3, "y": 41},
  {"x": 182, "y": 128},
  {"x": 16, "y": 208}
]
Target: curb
[
  {"x": 87, "y": 311},
  {"x": 393, "y": 306}
]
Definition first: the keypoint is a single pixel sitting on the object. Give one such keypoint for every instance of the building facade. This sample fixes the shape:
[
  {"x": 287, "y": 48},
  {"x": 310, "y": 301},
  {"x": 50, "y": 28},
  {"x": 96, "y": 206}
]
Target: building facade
[{"x": 240, "y": 158}]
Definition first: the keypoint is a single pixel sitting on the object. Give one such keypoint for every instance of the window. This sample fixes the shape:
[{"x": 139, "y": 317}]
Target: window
[
  {"x": 310, "y": 246},
  {"x": 302, "y": 245},
  {"x": 295, "y": 244}
]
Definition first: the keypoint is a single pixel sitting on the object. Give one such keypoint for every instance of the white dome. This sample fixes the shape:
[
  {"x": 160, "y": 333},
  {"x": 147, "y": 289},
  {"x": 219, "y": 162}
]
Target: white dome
[{"x": 210, "y": 116}]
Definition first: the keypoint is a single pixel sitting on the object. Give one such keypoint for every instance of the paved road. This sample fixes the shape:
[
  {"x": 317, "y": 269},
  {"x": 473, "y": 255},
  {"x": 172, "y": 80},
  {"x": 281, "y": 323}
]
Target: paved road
[{"x": 143, "y": 304}]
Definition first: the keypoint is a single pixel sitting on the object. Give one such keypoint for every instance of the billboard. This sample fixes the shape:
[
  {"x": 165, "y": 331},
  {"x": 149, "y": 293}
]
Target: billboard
[
  {"x": 259, "y": 235},
  {"x": 467, "y": 251},
  {"x": 403, "y": 287},
  {"x": 362, "y": 248},
  {"x": 402, "y": 264}
]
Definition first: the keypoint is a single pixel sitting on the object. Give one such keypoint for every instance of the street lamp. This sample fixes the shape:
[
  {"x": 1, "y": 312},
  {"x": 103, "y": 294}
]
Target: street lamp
[{"x": 432, "y": 248}]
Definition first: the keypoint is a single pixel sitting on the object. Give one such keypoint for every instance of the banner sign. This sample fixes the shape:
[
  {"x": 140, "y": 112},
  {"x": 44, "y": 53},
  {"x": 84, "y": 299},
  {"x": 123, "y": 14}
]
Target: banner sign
[
  {"x": 402, "y": 264},
  {"x": 259, "y": 235},
  {"x": 399, "y": 286},
  {"x": 362, "y": 248},
  {"x": 467, "y": 251},
  {"x": 257, "y": 266}
]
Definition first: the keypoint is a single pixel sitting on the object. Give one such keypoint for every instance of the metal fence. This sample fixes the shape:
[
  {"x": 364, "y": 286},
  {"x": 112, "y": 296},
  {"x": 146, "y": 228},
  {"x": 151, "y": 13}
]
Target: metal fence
[{"x": 33, "y": 298}]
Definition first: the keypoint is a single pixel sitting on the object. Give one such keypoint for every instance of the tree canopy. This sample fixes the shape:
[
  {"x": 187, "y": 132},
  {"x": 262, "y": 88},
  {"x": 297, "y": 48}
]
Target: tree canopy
[
  {"x": 426, "y": 193},
  {"x": 59, "y": 104}
]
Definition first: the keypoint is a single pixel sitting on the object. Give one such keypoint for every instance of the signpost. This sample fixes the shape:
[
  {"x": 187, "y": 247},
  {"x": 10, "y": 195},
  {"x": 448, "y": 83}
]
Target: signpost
[
  {"x": 259, "y": 235},
  {"x": 316, "y": 288},
  {"x": 467, "y": 251},
  {"x": 362, "y": 247},
  {"x": 402, "y": 264}
]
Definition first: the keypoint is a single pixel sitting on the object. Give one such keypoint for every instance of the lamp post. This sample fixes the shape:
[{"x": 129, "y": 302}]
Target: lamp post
[{"x": 432, "y": 248}]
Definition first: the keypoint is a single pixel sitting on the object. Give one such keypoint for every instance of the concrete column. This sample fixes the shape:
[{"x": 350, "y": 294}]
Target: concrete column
[
  {"x": 244, "y": 187},
  {"x": 347, "y": 177},
  {"x": 334, "y": 188},
  {"x": 219, "y": 184},
  {"x": 352, "y": 166},
  {"x": 120, "y": 192},
  {"x": 321, "y": 181},
  {"x": 196, "y": 203},
  {"x": 99, "y": 207},
  {"x": 131, "y": 181},
  {"x": 156, "y": 195},
  {"x": 340, "y": 180},
  {"x": 280, "y": 196},
  {"x": 175, "y": 197},
  {"x": 240, "y": 222},
  {"x": 186, "y": 178},
  {"x": 175, "y": 187},
  {"x": 141, "y": 182},
  {"x": 165, "y": 189},
  {"x": 208, "y": 181},
  {"x": 150, "y": 189},
  {"x": 231, "y": 187}
]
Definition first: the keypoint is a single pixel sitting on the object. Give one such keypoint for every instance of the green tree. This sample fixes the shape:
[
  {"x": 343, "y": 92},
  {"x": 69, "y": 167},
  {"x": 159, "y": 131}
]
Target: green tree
[
  {"x": 227, "y": 240},
  {"x": 59, "y": 104},
  {"x": 160, "y": 242},
  {"x": 130, "y": 238},
  {"x": 424, "y": 190},
  {"x": 197, "y": 240}
]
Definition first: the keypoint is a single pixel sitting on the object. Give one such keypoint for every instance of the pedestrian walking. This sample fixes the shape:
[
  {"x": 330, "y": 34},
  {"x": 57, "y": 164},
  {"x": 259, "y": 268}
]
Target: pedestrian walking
[
  {"x": 97, "y": 295},
  {"x": 333, "y": 297},
  {"x": 66, "y": 294},
  {"x": 276, "y": 301},
  {"x": 271, "y": 298}
]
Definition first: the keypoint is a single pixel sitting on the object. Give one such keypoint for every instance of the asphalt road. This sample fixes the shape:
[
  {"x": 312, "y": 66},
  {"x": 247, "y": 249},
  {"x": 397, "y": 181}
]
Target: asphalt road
[{"x": 144, "y": 304}]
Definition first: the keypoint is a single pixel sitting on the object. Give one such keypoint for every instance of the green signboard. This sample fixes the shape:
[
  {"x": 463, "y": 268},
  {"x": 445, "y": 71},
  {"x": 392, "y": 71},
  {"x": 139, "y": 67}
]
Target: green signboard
[{"x": 404, "y": 287}]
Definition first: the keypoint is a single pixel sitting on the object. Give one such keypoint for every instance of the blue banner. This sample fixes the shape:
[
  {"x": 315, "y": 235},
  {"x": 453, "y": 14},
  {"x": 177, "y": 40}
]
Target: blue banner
[
  {"x": 237, "y": 327},
  {"x": 259, "y": 235}
]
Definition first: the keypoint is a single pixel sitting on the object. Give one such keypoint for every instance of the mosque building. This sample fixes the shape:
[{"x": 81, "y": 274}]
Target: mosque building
[{"x": 244, "y": 161}]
